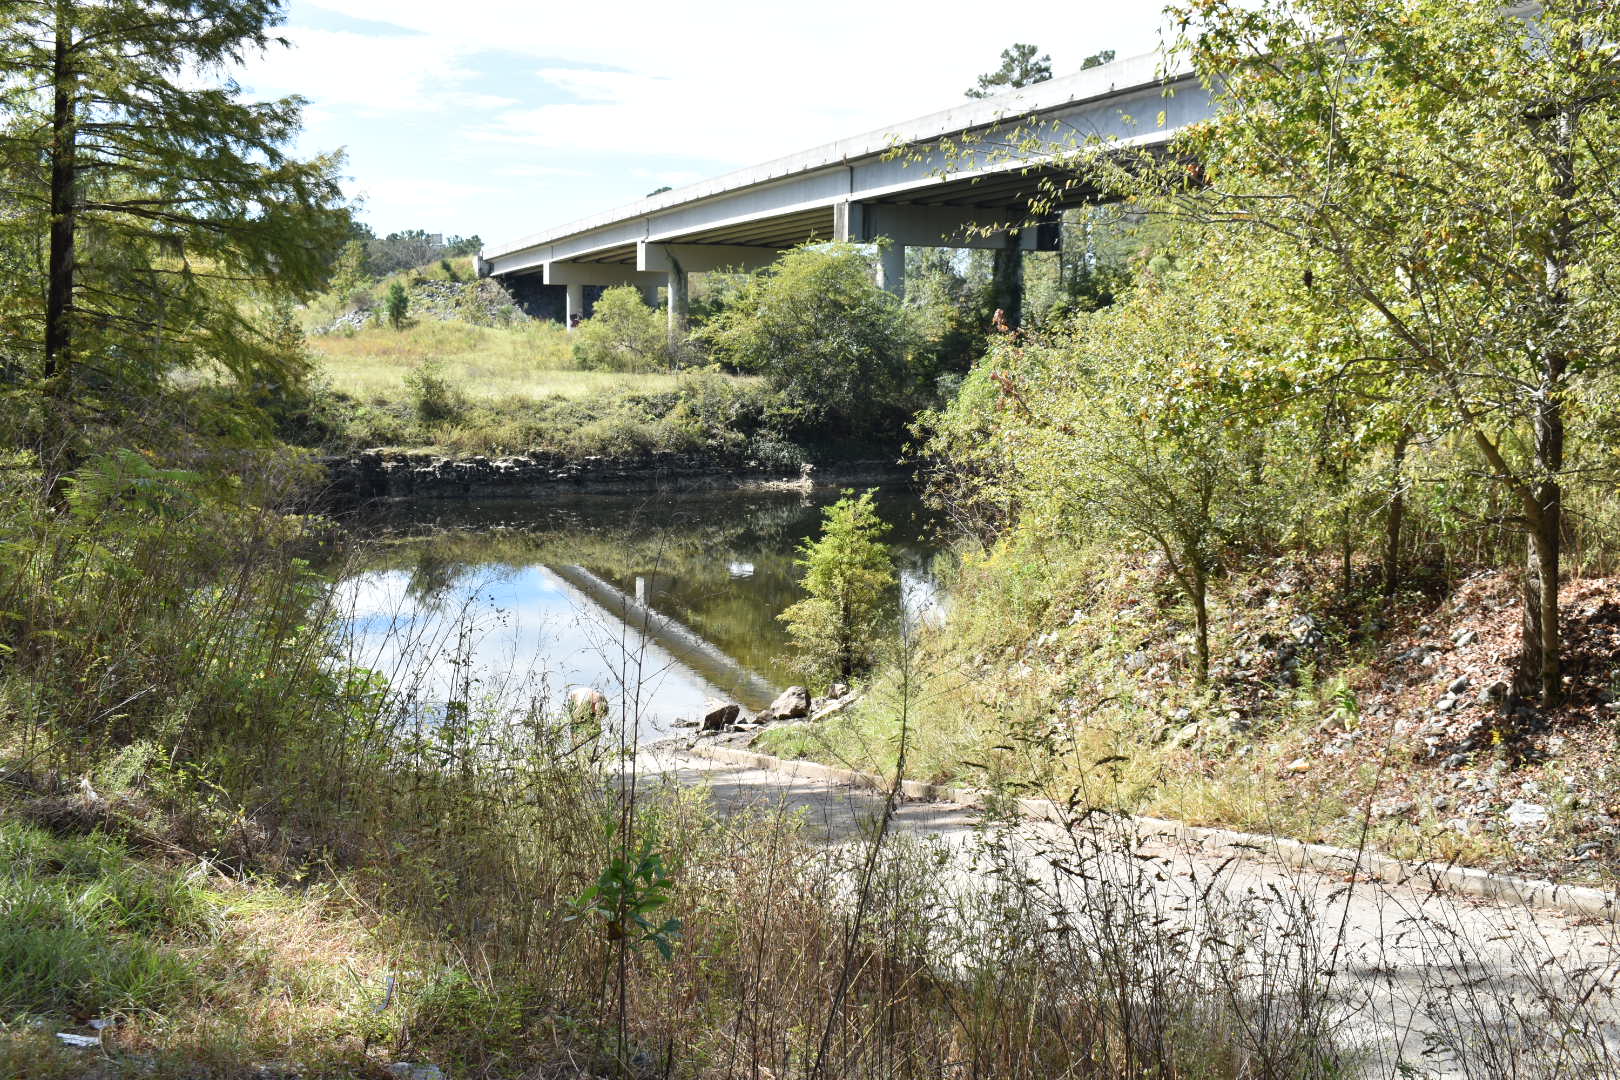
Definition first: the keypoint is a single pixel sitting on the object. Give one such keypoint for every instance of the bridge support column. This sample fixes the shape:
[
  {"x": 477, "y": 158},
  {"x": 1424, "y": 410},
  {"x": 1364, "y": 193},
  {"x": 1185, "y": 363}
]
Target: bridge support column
[
  {"x": 1007, "y": 280},
  {"x": 575, "y": 305},
  {"x": 891, "y": 268},
  {"x": 677, "y": 305},
  {"x": 649, "y": 295}
]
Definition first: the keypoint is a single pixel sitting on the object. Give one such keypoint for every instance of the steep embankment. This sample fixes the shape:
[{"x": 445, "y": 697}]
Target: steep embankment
[{"x": 1320, "y": 721}]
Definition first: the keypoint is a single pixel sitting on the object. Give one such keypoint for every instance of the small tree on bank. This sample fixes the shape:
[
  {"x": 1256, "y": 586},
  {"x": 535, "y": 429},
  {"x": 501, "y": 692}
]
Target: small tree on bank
[
  {"x": 399, "y": 305},
  {"x": 850, "y": 577}
]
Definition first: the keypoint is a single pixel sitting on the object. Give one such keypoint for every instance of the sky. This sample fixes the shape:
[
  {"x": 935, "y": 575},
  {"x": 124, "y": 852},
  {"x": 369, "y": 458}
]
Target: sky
[{"x": 503, "y": 117}]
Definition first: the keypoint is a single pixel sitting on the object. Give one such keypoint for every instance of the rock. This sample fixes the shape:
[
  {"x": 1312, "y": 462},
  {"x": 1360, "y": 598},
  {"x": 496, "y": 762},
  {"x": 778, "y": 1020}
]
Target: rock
[
  {"x": 405, "y": 1070},
  {"x": 1446, "y": 703},
  {"x": 1465, "y": 638},
  {"x": 1460, "y": 684},
  {"x": 1305, "y": 630},
  {"x": 838, "y": 690},
  {"x": 717, "y": 715},
  {"x": 1440, "y": 802},
  {"x": 1523, "y": 814},
  {"x": 833, "y": 708},
  {"x": 1588, "y": 849},
  {"x": 792, "y": 703},
  {"x": 1134, "y": 661},
  {"x": 1499, "y": 768},
  {"x": 1392, "y": 808},
  {"x": 1186, "y": 735},
  {"x": 1455, "y": 761},
  {"x": 1181, "y": 716}
]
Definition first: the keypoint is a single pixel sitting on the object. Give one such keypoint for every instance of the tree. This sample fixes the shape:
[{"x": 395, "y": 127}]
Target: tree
[
  {"x": 399, "y": 305},
  {"x": 1129, "y": 424},
  {"x": 1449, "y": 167},
  {"x": 349, "y": 272},
  {"x": 849, "y": 576},
  {"x": 820, "y": 330},
  {"x": 1019, "y": 67},
  {"x": 160, "y": 199},
  {"x": 623, "y": 334}
]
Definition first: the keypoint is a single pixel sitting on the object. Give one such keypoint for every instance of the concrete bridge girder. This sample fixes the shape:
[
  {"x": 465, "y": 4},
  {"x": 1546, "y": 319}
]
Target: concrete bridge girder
[{"x": 575, "y": 276}]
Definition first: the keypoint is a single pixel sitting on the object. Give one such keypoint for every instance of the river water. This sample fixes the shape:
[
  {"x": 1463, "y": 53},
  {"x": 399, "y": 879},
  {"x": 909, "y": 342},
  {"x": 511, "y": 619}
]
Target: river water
[{"x": 659, "y": 601}]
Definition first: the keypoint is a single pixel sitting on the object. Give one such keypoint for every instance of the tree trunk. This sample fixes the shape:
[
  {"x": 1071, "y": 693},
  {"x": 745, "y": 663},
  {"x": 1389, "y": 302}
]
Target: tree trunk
[
  {"x": 1200, "y": 602},
  {"x": 1395, "y": 516},
  {"x": 1540, "y": 669},
  {"x": 58, "y": 360},
  {"x": 1347, "y": 552}
]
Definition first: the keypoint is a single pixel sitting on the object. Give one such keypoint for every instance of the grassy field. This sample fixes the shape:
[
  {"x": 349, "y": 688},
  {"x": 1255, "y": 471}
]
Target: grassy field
[{"x": 533, "y": 360}]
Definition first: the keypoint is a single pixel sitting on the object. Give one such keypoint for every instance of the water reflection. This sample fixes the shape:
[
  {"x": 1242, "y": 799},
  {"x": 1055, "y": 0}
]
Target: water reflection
[{"x": 659, "y": 601}]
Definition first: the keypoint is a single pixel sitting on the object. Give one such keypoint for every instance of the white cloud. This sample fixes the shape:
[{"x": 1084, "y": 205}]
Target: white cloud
[
  {"x": 600, "y": 105},
  {"x": 432, "y": 194},
  {"x": 373, "y": 75}
]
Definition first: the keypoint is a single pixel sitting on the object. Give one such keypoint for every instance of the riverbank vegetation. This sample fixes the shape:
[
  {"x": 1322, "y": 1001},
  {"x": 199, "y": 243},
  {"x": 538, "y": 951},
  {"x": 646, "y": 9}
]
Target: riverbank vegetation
[
  {"x": 1313, "y": 526},
  {"x": 1210, "y": 570}
]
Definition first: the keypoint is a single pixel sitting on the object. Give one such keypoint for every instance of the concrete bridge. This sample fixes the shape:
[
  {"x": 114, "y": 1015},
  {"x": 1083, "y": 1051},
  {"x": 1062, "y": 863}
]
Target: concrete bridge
[{"x": 858, "y": 190}]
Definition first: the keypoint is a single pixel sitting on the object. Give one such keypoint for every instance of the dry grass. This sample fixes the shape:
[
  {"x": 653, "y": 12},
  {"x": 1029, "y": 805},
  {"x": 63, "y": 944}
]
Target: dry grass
[{"x": 485, "y": 363}]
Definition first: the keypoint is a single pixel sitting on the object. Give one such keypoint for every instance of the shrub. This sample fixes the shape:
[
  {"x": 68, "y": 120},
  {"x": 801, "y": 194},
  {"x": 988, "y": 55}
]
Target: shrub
[
  {"x": 821, "y": 331},
  {"x": 434, "y": 400},
  {"x": 622, "y": 334}
]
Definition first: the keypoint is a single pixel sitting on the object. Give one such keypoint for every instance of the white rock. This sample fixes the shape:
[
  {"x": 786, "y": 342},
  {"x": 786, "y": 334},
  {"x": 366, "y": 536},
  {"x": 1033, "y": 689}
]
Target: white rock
[{"x": 1523, "y": 814}]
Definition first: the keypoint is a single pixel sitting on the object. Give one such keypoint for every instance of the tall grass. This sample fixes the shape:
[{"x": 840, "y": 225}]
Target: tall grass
[
  {"x": 530, "y": 360},
  {"x": 476, "y": 881}
]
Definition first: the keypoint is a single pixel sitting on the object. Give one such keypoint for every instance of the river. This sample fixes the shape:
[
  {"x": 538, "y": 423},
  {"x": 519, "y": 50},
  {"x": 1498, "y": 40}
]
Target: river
[{"x": 659, "y": 601}]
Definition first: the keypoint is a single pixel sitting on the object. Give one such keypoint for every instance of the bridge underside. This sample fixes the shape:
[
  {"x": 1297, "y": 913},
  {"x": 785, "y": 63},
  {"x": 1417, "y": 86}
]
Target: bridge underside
[
  {"x": 968, "y": 212},
  {"x": 860, "y": 191}
]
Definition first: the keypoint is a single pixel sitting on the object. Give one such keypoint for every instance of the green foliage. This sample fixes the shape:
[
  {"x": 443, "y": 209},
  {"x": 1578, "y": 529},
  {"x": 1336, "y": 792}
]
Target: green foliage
[
  {"x": 77, "y": 919},
  {"x": 1486, "y": 308},
  {"x": 399, "y": 305},
  {"x": 628, "y": 895},
  {"x": 159, "y": 201},
  {"x": 849, "y": 575},
  {"x": 349, "y": 275},
  {"x": 820, "y": 330},
  {"x": 1129, "y": 423},
  {"x": 622, "y": 334},
  {"x": 1019, "y": 67},
  {"x": 432, "y": 397}
]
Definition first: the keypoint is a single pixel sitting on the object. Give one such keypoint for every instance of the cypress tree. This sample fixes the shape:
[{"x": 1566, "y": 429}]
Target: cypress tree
[{"x": 144, "y": 202}]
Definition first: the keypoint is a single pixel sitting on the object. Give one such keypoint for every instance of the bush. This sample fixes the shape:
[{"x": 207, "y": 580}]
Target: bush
[
  {"x": 821, "y": 331},
  {"x": 434, "y": 400},
  {"x": 622, "y": 334}
]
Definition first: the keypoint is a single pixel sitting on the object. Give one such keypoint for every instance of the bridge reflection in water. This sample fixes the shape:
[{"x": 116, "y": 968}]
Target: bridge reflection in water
[{"x": 659, "y": 605}]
